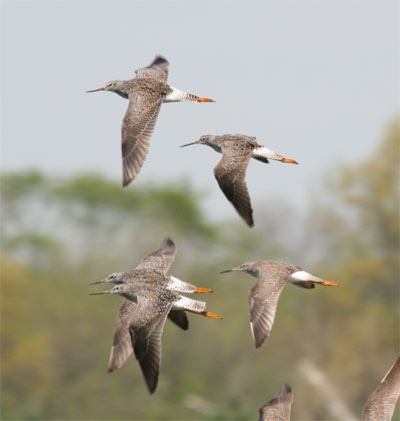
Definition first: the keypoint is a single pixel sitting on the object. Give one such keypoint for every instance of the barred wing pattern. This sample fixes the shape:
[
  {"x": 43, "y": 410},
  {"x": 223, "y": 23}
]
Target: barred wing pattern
[
  {"x": 230, "y": 174},
  {"x": 263, "y": 302},
  {"x": 147, "y": 346},
  {"x": 137, "y": 128},
  {"x": 161, "y": 259},
  {"x": 278, "y": 408},
  {"x": 158, "y": 69},
  {"x": 380, "y": 405},
  {"x": 122, "y": 343}
]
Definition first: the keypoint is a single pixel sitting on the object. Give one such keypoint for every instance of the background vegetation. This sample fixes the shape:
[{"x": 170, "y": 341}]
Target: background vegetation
[{"x": 58, "y": 235}]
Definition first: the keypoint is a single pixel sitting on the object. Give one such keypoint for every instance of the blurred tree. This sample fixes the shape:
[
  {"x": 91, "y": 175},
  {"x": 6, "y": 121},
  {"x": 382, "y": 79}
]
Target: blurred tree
[{"x": 57, "y": 236}]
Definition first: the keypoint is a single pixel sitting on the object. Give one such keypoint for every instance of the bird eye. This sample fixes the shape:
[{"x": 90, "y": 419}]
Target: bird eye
[{"x": 109, "y": 85}]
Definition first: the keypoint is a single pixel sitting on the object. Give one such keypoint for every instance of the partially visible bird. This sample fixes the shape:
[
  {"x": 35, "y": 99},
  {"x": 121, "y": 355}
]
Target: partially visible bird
[
  {"x": 150, "y": 296},
  {"x": 380, "y": 405},
  {"x": 237, "y": 149},
  {"x": 272, "y": 276},
  {"x": 278, "y": 408},
  {"x": 146, "y": 92}
]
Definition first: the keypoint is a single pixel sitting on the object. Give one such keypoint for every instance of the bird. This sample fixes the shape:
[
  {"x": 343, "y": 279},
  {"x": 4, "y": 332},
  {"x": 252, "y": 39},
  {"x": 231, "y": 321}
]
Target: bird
[
  {"x": 278, "y": 408},
  {"x": 381, "y": 403},
  {"x": 150, "y": 296},
  {"x": 237, "y": 149},
  {"x": 271, "y": 276},
  {"x": 146, "y": 92}
]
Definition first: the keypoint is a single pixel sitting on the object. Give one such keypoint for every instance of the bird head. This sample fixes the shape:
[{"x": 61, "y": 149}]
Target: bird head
[
  {"x": 121, "y": 289},
  {"x": 208, "y": 139},
  {"x": 117, "y": 86},
  {"x": 114, "y": 278},
  {"x": 249, "y": 267}
]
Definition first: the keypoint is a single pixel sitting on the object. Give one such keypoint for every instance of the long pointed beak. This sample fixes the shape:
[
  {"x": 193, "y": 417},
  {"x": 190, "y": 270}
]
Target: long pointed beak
[
  {"x": 188, "y": 144},
  {"x": 229, "y": 270},
  {"x": 99, "y": 293},
  {"x": 96, "y": 90},
  {"x": 289, "y": 161},
  {"x": 98, "y": 282}
]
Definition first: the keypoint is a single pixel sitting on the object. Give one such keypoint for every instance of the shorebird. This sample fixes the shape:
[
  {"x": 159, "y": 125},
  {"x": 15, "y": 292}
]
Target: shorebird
[
  {"x": 380, "y": 405},
  {"x": 271, "y": 276},
  {"x": 237, "y": 149},
  {"x": 278, "y": 408},
  {"x": 146, "y": 92},
  {"x": 150, "y": 296}
]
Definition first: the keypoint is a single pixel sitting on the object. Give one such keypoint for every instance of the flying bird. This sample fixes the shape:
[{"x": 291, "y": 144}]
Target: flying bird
[
  {"x": 380, "y": 405},
  {"x": 278, "y": 408},
  {"x": 151, "y": 295},
  {"x": 146, "y": 92},
  {"x": 237, "y": 149},
  {"x": 271, "y": 276}
]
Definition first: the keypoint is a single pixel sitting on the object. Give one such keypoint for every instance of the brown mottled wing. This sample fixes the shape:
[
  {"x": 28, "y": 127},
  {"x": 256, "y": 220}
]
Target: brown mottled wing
[
  {"x": 122, "y": 344},
  {"x": 158, "y": 69},
  {"x": 230, "y": 174},
  {"x": 380, "y": 405},
  {"x": 146, "y": 340},
  {"x": 161, "y": 259},
  {"x": 137, "y": 128},
  {"x": 263, "y": 302},
  {"x": 278, "y": 408}
]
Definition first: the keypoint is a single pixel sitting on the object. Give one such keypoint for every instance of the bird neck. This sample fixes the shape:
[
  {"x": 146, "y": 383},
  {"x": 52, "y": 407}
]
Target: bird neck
[{"x": 124, "y": 94}]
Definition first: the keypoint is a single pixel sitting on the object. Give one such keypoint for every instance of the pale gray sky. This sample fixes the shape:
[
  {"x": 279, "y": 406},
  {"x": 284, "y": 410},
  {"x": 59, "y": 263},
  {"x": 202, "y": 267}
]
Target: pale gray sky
[{"x": 317, "y": 81}]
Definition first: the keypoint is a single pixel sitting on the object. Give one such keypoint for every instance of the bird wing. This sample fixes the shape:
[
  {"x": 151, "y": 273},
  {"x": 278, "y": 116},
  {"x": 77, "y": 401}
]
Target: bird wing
[
  {"x": 263, "y": 302},
  {"x": 137, "y": 128},
  {"x": 158, "y": 69},
  {"x": 160, "y": 259},
  {"x": 179, "y": 318},
  {"x": 122, "y": 344},
  {"x": 146, "y": 338},
  {"x": 381, "y": 403},
  {"x": 278, "y": 408},
  {"x": 230, "y": 174}
]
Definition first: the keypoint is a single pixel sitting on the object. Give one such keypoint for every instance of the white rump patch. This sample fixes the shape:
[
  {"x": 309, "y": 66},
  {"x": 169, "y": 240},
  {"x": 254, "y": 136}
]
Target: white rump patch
[
  {"x": 177, "y": 96},
  {"x": 301, "y": 275},
  {"x": 267, "y": 153},
  {"x": 185, "y": 303},
  {"x": 176, "y": 284}
]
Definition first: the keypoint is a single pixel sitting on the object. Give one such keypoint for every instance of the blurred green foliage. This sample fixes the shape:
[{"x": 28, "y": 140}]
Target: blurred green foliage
[{"x": 59, "y": 235}]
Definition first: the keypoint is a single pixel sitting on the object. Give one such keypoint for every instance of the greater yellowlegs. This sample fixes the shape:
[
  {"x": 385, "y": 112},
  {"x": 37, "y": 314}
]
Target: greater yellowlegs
[
  {"x": 146, "y": 92},
  {"x": 237, "y": 149},
  {"x": 380, "y": 405},
  {"x": 150, "y": 296},
  {"x": 272, "y": 276},
  {"x": 278, "y": 408}
]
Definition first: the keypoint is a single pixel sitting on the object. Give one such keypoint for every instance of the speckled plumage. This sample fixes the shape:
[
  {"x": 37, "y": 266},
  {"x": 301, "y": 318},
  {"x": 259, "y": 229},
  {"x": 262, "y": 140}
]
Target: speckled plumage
[
  {"x": 380, "y": 405},
  {"x": 271, "y": 276},
  {"x": 237, "y": 149},
  {"x": 278, "y": 408},
  {"x": 150, "y": 296},
  {"x": 146, "y": 92}
]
